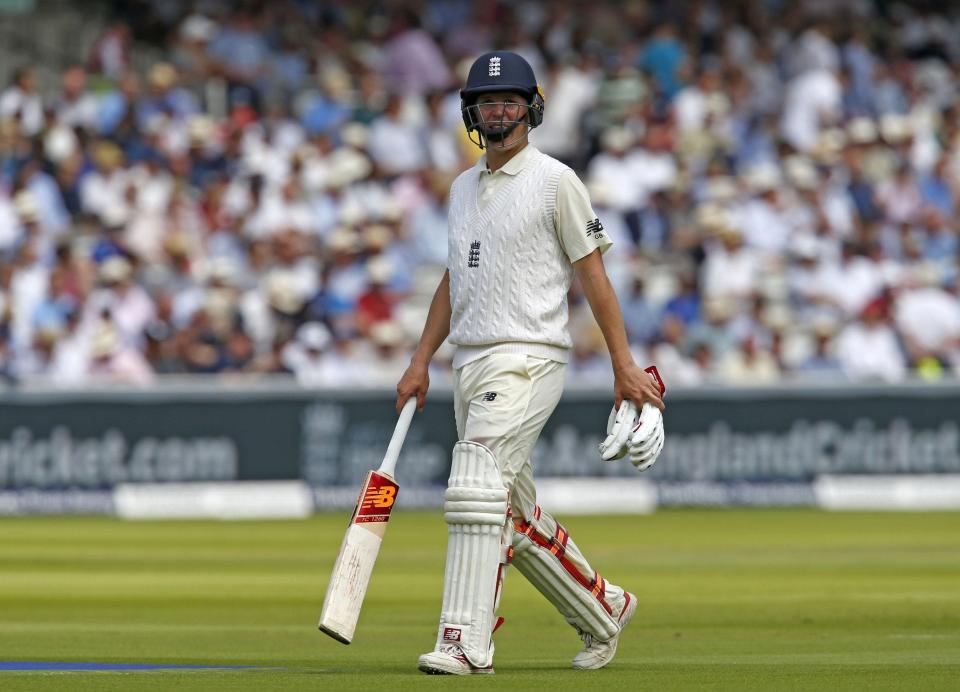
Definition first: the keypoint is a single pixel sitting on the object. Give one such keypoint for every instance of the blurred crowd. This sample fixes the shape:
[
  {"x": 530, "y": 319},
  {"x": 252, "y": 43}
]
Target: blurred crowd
[{"x": 780, "y": 180}]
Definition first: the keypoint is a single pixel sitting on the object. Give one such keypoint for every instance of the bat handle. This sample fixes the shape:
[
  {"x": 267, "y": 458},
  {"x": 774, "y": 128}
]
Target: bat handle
[{"x": 399, "y": 434}]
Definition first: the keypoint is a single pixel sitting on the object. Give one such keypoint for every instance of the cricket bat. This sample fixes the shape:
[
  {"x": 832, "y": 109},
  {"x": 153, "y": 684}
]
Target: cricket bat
[{"x": 361, "y": 544}]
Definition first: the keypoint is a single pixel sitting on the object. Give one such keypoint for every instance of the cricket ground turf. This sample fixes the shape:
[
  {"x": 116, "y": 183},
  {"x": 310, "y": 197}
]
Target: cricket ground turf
[{"x": 729, "y": 600}]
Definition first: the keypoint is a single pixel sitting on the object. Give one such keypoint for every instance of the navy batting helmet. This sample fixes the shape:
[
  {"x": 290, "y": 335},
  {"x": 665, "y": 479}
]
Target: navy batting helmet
[{"x": 500, "y": 71}]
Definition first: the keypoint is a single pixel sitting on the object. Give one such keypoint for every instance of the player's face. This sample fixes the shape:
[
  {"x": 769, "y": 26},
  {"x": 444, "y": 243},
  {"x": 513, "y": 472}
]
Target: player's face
[{"x": 503, "y": 117}]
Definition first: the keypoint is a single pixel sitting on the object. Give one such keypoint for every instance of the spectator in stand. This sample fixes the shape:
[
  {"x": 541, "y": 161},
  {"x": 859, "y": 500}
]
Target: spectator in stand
[
  {"x": 900, "y": 197},
  {"x": 8, "y": 375},
  {"x": 165, "y": 98},
  {"x": 731, "y": 270},
  {"x": 611, "y": 171},
  {"x": 121, "y": 300},
  {"x": 376, "y": 304},
  {"x": 27, "y": 286},
  {"x": 749, "y": 364},
  {"x": 21, "y": 104},
  {"x": 716, "y": 331},
  {"x": 940, "y": 240},
  {"x": 240, "y": 53},
  {"x": 662, "y": 58},
  {"x": 685, "y": 304},
  {"x": 822, "y": 363},
  {"x": 190, "y": 52},
  {"x": 390, "y": 359},
  {"x": 667, "y": 351},
  {"x": 411, "y": 60},
  {"x": 868, "y": 348},
  {"x": 304, "y": 355},
  {"x": 110, "y": 53},
  {"x": 641, "y": 318},
  {"x": 114, "y": 362},
  {"x": 762, "y": 218},
  {"x": 927, "y": 316},
  {"x": 76, "y": 107},
  {"x": 937, "y": 187},
  {"x": 572, "y": 85},
  {"x": 812, "y": 102},
  {"x": 849, "y": 284},
  {"x": 395, "y": 144}
]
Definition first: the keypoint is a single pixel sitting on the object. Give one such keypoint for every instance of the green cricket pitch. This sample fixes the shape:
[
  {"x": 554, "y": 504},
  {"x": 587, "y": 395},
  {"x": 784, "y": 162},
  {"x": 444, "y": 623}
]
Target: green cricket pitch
[{"x": 729, "y": 600}]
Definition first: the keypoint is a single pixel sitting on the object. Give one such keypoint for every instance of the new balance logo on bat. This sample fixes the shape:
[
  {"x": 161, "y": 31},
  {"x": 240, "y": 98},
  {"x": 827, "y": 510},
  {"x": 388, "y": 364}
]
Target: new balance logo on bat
[
  {"x": 595, "y": 228},
  {"x": 382, "y": 497},
  {"x": 473, "y": 257}
]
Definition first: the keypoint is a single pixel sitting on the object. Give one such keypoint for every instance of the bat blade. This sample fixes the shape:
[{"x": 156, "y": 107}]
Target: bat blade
[{"x": 358, "y": 554}]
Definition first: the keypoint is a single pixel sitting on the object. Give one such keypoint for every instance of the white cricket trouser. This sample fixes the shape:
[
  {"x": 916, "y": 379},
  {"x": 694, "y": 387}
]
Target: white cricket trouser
[{"x": 502, "y": 401}]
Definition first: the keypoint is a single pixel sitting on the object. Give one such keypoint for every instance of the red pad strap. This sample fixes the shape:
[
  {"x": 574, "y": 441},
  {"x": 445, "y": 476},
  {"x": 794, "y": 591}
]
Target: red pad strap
[
  {"x": 599, "y": 586},
  {"x": 626, "y": 602},
  {"x": 559, "y": 540},
  {"x": 596, "y": 586}
]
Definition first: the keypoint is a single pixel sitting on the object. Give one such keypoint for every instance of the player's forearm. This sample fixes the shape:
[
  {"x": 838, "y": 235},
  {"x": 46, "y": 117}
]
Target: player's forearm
[
  {"x": 437, "y": 326},
  {"x": 606, "y": 309}
]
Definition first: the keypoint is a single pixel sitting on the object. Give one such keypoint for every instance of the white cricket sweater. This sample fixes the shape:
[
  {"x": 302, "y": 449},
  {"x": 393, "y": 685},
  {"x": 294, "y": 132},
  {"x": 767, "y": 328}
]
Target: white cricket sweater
[{"x": 509, "y": 274}]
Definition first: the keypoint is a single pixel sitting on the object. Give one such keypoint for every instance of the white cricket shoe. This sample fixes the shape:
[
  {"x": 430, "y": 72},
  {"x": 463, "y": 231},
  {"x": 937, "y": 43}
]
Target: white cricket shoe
[
  {"x": 597, "y": 654},
  {"x": 450, "y": 660}
]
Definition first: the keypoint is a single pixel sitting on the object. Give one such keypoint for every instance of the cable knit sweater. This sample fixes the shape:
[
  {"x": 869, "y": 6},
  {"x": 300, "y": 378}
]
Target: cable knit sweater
[{"x": 509, "y": 275}]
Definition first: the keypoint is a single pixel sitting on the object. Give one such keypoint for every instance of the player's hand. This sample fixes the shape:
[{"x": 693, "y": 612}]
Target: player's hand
[
  {"x": 636, "y": 385},
  {"x": 415, "y": 382}
]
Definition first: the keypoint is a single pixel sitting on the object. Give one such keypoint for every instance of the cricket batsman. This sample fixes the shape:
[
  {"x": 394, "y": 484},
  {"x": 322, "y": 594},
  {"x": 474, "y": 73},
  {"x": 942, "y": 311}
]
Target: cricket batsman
[{"x": 520, "y": 227}]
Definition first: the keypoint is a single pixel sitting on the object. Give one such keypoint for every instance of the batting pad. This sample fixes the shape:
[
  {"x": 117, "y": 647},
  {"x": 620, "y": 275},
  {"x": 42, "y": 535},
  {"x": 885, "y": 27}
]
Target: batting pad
[
  {"x": 546, "y": 564},
  {"x": 475, "y": 508}
]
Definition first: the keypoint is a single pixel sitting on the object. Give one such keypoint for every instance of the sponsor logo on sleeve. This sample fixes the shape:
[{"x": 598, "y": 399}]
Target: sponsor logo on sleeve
[{"x": 595, "y": 229}]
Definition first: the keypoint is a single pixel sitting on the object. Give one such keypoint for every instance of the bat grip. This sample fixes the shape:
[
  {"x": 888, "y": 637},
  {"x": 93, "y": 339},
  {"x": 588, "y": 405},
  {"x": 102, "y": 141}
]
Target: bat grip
[{"x": 389, "y": 464}]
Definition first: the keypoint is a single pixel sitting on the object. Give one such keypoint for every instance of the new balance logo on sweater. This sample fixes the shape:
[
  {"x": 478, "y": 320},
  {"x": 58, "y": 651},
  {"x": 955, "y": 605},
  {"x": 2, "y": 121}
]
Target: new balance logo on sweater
[
  {"x": 473, "y": 257},
  {"x": 595, "y": 228}
]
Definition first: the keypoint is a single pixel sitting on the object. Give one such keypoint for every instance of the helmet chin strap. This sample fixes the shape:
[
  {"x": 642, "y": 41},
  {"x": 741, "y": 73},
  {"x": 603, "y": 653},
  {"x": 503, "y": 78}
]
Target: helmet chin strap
[
  {"x": 500, "y": 134},
  {"x": 498, "y": 141}
]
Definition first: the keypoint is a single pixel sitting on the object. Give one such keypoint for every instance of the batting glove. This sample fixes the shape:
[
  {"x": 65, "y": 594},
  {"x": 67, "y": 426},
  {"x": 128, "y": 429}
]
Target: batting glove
[
  {"x": 620, "y": 425},
  {"x": 646, "y": 438}
]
